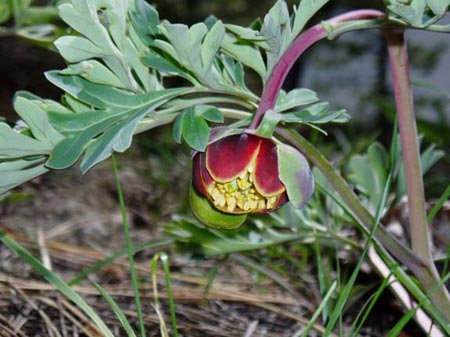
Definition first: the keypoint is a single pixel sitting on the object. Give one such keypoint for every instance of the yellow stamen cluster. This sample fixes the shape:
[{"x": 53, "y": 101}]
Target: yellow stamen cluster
[{"x": 240, "y": 195}]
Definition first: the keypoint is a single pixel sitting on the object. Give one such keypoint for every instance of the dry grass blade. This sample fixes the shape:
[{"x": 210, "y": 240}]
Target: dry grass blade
[
  {"x": 7, "y": 329},
  {"x": 51, "y": 328},
  {"x": 319, "y": 328},
  {"x": 183, "y": 293},
  {"x": 45, "y": 256},
  {"x": 75, "y": 316}
]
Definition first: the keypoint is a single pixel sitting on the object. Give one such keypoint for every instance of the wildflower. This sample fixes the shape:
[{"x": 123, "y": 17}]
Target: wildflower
[{"x": 245, "y": 173}]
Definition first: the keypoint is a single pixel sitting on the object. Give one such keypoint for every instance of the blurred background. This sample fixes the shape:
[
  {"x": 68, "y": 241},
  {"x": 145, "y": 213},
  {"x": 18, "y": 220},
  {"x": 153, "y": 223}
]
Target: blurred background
[{"x": 351, "y": 73}]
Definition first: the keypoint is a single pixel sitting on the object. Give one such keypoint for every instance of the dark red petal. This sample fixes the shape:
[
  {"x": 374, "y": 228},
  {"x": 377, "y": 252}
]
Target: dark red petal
[
  {"x": 200, "y": 176},
  {"x": 227, "y": 158},
  {"x": 267, "y": 181},
  {"x": 283, "y": 199}
]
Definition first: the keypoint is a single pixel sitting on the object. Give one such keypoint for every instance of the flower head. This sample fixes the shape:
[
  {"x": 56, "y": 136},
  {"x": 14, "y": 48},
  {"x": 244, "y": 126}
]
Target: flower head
[{"x": 245, "y": 173}]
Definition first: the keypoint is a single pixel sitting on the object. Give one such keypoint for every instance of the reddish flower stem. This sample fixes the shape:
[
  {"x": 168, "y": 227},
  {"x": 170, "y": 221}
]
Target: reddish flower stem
[
  {"x": 422, "y": 266},
  {"x": 295, "y": 50},
  {"x": 420, "y": 235}
]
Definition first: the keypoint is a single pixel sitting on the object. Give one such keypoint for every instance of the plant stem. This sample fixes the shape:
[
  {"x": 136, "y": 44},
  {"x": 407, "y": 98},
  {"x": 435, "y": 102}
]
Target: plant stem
[
  {"x": 421, "y": 270},
  {"x": 129, "y": 244},
  {"x": 420, "y": 235},
  {"x": 420, "y": 266},
  {"x": 295, "y": 50},
  {"x": 402, "y": 253}
]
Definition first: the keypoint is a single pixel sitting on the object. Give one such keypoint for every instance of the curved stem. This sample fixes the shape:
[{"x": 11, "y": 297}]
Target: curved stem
[
  {"x": 295, "y": 50},
  {"x": 422, "y": 270},
  {"x": 402, "y": 253}
]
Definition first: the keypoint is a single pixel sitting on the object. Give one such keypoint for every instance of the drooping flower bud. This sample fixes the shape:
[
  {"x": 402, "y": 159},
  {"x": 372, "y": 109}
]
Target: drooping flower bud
[{"x": 245, "y": 173}]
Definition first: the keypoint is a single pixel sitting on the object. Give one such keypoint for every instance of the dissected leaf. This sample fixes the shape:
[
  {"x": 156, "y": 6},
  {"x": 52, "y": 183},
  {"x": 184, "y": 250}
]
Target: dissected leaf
[
  {"x": 95, "y": 72},
  {"x": 304, "y": 13},
  {"x": 295, "y": 98},
  {"x": 210, "y": 113},
  {"x": 16, "y": 173},
  {"x": 185, "y": 44},
  {"x": 417, "y": 13},
  {"x": 118, "y": 124},
  {"x": 156, "y": 61},
  {"x": 247, "y": 54},
  {"x": 317, "y": 113},
  {"x": 192, "y": 49},
  {"x": 13, "y": 144},
  {"x": 103, "y": 25},
  {"x": 177, "y": 131},
  {"x": 195, "y": 130},
  {"x": 439, "y": 7},
  {"x": 210, "y": 46},
  {"x": 31, "y": 109},
  {"x": 276, "y": 30},
  {"x": 369, "y": 173},
  {"x": 76, "y": 48},
  {"x": 233, "y": 72},
  {"x": 428, "y": 158},
  {"x": 39, "y": 139},
  {"x": 96, "y": 95},
  {"x": 268, "y": 124},
  {"x": 212, "y": 241},
  {"x": 117, "y": 138},
  {"x": 145, "y": 20}
]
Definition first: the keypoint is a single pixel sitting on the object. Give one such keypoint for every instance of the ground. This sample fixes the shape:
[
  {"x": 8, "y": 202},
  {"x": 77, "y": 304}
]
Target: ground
[{"x": 70, "y": 221}]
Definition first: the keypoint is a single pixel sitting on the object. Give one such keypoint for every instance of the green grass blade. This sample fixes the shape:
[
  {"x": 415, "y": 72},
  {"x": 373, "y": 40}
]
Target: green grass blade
[
  {"x": 173, "y": 318},
  {"x": 399, "y": 273},
  {"x": 323, "y": 284},
  {"x": 447, "y": 261},
  {"x": 62, "y": 286},
  {"x": 395, "y": 331},
  {"x": 119, "y": 313},
  {"x": 367, "y": 309},
  {"x": 342, "y": 300},
  {"x": 212, "y": 273},
  {"x": 318, "y": 311},
  {"x": 264, "y": 270},
  {"x": 444, "y": 197},
  {"x": 120, "y": 253},
  {"x": 129, "y": 244},
  {"x": 410, "y": 314}
]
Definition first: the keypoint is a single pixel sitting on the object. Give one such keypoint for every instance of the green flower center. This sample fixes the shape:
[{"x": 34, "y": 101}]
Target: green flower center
[{"x": 240, "y": 195}]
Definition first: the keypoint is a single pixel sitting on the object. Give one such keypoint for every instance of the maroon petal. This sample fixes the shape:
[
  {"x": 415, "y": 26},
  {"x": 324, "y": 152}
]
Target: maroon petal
[
  {"x": 200, "y": 176},
  {"x": 267, "y": 181},
  {"x": 229, "y": 157},
  {"x": 283, "y": 199}
]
